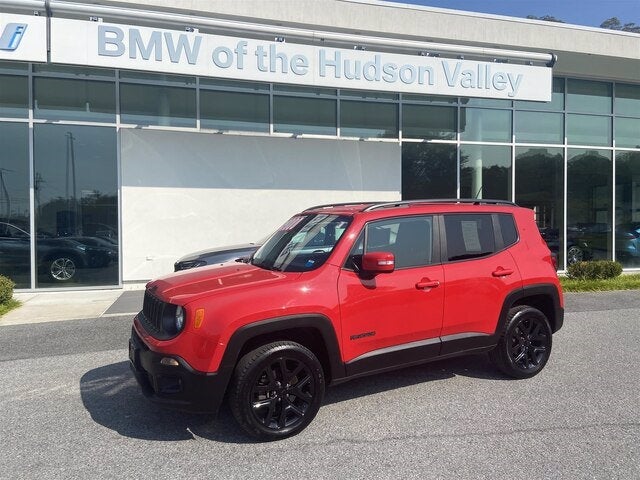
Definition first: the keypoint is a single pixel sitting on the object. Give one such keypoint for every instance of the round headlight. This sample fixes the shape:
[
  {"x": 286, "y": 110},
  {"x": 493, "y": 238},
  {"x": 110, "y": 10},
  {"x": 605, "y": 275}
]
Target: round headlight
[{"x": 179, "y": 318}]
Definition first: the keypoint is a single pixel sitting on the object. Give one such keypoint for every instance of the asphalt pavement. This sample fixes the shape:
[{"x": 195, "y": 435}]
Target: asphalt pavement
[{"x": 69, "y": 408}]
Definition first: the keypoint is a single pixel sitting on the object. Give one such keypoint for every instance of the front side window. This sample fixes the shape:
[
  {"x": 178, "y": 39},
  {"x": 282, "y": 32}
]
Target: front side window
[
  {"x": 410, "y": 239},
  {"x": 302, "y": 244},
  {"x": 469, "y": 236}
]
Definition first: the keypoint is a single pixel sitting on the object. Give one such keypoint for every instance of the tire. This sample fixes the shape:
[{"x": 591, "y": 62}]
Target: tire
[
  {"x": 62, "y": 268},
  {"x": 276, "y": 390},
  {"x": 574, "y": 254},
  {"x": 525, "y": 346}
]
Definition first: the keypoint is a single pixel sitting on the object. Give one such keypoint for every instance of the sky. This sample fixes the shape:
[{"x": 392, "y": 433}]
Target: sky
[{"x": 590, "y": 13}]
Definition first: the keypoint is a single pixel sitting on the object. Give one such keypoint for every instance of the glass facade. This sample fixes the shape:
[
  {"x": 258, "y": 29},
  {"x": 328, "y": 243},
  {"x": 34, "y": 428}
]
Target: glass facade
[
  {"x": 485, "y": 171},
  {"x": 574, "y": 160},
  {"x": 76, "y": 205},
  {"x": 15, "y": 219},
  {"x": 543, "y": 193}
]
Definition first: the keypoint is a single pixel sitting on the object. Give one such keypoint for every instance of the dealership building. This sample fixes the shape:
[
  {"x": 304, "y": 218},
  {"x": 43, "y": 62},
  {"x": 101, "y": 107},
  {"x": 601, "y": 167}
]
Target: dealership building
[{"x": 134, "y": 132}]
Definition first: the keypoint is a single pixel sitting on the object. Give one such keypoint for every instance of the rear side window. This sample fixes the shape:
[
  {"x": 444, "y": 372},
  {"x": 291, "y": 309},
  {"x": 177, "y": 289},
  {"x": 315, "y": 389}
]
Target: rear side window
[
  {"x": 469, "y": 236},
  {"x": 508, "y": 229}
]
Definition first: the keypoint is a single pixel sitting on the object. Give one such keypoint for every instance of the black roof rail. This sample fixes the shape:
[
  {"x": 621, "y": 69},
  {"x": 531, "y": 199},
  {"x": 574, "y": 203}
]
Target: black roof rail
[
  {"x": 333, "y": 205},
  {"x": 473, "y": 201}
]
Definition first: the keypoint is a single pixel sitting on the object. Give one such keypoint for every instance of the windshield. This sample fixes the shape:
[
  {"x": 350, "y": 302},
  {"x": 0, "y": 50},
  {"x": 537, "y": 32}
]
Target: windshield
[{"x": 303, "y": 243}]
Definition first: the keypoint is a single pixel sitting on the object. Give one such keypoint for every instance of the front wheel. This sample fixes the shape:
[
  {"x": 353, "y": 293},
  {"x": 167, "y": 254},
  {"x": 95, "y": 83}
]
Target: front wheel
[
  {"x": 62, "y": 268},
  {"x": 525, "y": 346},
  {"x": 277, "y": 390}
]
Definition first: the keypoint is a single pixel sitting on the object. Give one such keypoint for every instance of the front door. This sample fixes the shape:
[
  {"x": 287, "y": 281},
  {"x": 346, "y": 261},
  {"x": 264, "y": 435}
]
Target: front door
[{"x": 394, "y": 315}]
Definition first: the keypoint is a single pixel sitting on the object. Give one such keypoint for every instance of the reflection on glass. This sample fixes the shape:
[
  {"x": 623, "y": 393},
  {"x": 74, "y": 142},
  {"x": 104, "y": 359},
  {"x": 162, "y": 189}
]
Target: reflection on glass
[
  {"x": 78, "y": 72},
  {"x": 428, "y": 170},
  {"x": 628, "y": 132},
  {"x": 368, "y": 119},
  {"x": 14, "y": 67},
  {"x": 60, "y": 99},
  {"x": 627, "y": 100},
  {"x": 428, "y": 122},
  {"x": 588, "y": 97},
  {"x": 366, "y": 94},
  {"x": 539, "y": 127},
  {"x": 589, "y": 198},
  {"x": 156, "y": 105},
  {"x": 15, "y": 245},
  {"x": 306, "y": 90},
  {"x": 483, "y": 125},
  {"x": 235, "y": 84},
  {"x": 14, "y": 96},
  {"x": 157, "y": 77},
  {"x": 540, "y": 187},
  {"x": 485, "y": 172},
  {"x": 556, "y": 103},
  {"x": 76, "y": 201},
  {"x": 628, "y": 209},
  {"x": 304, "y": 115},
  {"x": 588, "y": 130},
  {"x": 412, "y": 97},
  {"x": 234, "y": 111},
  {"x": 485, "y": 102}
]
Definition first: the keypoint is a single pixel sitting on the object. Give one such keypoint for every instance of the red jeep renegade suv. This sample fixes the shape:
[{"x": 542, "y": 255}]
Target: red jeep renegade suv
[{"x": 341, "y": 291}]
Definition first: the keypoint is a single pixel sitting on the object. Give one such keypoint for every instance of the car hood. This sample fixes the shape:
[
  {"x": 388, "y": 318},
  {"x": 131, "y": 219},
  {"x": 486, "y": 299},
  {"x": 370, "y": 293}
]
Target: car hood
[
  {"x": 188, "y": 285},
  {"x": 211, "y": 251}
]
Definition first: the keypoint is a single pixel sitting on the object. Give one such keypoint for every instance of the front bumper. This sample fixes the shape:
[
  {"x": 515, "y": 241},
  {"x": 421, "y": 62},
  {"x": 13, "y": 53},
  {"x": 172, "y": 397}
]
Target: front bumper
[{"x": 180, "y": 387}]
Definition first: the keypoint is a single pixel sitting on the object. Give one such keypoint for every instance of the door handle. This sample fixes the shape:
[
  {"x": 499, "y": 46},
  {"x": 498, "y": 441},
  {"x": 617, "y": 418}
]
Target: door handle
[
  {"x": 426, "y": 283},
  {"x": 502, "y": 272}
]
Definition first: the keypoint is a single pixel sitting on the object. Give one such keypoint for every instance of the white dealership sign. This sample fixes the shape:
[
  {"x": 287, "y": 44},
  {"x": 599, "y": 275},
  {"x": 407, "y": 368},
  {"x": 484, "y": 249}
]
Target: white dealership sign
[
  {"x": 23, "y": 38},
  {"x": 192, "y": 53}
]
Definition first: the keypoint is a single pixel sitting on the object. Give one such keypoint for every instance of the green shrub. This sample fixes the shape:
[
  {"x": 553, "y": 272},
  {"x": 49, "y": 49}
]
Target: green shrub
[
  {"x": 594, "y": 270},
  {"x": 6, "y": 289}
]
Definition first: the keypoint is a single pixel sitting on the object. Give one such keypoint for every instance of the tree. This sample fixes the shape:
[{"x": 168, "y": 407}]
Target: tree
[
  {"x": 614, "y": 24},
  {"x": 546, "y": 18}
]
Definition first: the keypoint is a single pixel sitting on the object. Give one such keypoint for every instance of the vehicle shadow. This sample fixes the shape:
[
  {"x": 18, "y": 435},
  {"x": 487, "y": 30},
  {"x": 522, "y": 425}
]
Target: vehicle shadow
[
  {"x": 114, "y": 400},
  {"x": 475, "y": 366}
]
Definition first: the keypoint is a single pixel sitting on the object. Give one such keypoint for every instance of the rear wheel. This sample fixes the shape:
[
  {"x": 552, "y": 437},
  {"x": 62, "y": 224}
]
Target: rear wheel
[
  {"x": 525, "y": 346},
  {"x": 574, "y": 254},
  {"x": 277, "y": 390}
]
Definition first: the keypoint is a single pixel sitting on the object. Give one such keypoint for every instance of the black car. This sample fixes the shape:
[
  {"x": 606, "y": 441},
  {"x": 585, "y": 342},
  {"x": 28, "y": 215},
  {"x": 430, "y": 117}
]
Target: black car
[
  {"x": 577, "y": 248},
  {"x": 215, "y": 255},
  {"x": 59, "y": 258}
]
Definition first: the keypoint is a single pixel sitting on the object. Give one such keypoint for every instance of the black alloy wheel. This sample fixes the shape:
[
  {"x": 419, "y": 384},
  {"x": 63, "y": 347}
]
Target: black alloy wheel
[
  {"x": 525, "y": 346},
  {"x": 277, "y": 390}
]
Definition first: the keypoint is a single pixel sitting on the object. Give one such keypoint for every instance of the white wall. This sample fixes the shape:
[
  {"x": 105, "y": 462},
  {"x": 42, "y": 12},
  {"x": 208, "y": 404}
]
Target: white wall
[{"x": 183, "y": 192}]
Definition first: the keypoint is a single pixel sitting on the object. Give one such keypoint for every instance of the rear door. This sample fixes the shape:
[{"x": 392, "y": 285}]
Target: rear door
[
  {"x": 398, "y": 309},
  {"x": 479, "y": 272}
]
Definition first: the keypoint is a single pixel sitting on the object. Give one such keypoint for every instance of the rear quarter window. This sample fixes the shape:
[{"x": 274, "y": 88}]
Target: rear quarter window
[{"x": 508, "y": 229}]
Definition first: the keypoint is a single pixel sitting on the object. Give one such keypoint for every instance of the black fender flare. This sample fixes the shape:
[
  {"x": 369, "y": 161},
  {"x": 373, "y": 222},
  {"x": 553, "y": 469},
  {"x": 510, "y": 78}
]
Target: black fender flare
[
  {"x": 317, "y": 322},
  {"x": 540, "y": 289}
]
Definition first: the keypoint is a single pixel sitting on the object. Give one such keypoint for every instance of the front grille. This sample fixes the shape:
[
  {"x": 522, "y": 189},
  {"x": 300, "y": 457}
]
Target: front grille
[{"x": 155, "y": 314}]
